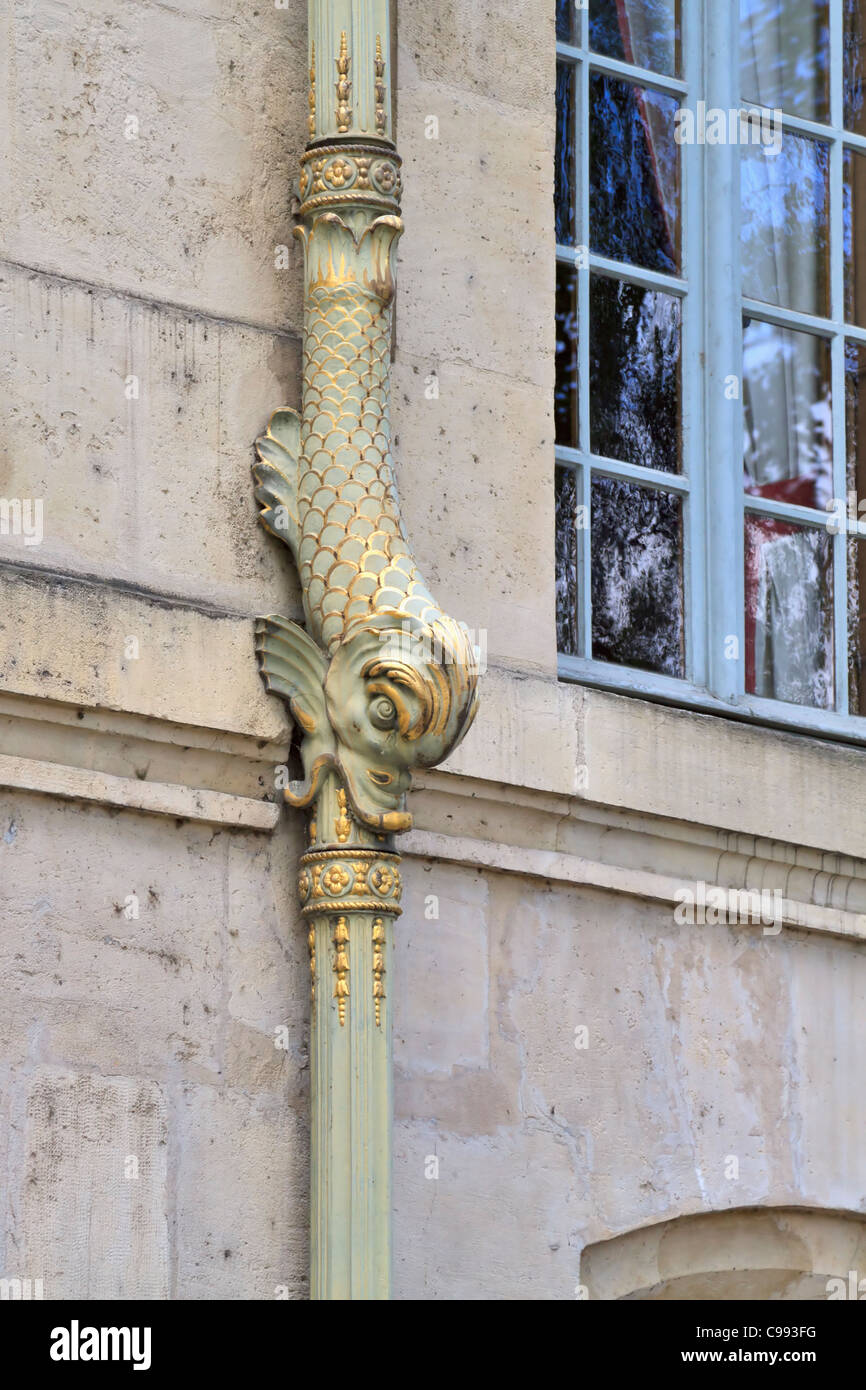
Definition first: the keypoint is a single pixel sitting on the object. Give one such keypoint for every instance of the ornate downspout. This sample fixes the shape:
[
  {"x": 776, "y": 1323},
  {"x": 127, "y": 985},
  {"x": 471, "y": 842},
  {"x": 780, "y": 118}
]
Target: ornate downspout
[{"x": 380, "y": 679}]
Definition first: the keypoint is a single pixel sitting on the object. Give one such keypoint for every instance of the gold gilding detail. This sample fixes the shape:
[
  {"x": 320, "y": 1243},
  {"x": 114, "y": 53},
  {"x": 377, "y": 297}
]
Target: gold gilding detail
[
  {"x": 312, "y": 116},
  {"x": 342, "y": 824},
  {"x": 380, "y": 679},
  {"x": 343, "y": 87},
  {"x": 349, "y": 880},
  {"x": 335, "y": 879},
  {"x": 341, "y": 966},
  {"x": 383, "y": 879},
  {"x": 381, "y": 118},
  {"x": 358, "y": 173},
  {"x": 311, "y": 942},
  {"x": 378, "y": 967}
]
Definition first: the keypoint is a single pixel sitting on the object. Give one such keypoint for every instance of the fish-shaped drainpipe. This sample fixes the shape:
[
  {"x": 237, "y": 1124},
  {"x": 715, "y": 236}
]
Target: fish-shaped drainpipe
[{"x": 382, "y": 680}]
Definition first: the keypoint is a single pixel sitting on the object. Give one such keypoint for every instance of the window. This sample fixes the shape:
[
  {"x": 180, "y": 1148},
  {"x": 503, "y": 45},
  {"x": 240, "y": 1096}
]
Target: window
[{"x": 710, "y": 400}]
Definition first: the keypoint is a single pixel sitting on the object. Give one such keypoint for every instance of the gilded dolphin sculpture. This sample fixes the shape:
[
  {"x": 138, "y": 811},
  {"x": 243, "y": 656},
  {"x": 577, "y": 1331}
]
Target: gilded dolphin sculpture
[{"x": 381, "y": 680}]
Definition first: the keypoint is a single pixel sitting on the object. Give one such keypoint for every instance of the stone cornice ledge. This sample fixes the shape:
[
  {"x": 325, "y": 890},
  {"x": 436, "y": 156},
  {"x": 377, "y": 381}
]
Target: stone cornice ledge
[
  {"x": 553, "y": 866},
  {"x": 155, "y": 798}
]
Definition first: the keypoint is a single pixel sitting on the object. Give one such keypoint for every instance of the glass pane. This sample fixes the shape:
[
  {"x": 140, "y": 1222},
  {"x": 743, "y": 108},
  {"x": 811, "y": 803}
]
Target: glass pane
[
  {"x": 854, "y": 513},
  {"x": 566, "y": 562},
  {"x": 787, "y": 417},
  {"x": 789, "y": 612},
  {"x": 634, "y": 174},
  {"x": 637, "y": 577},
  {"x": 565, "y": 390},
  {"x": 852, "y": 520},
  {"x": 855, "y": 430},
  {"x": 645, "y": 32},
  {"x": 786, "y": 224},
  {"x": 856, "y": 627},
  {"x": 564, "y": 186},
  {"x": 785, "y": 55},
  {"x": 634, "y": 374},
  {"x": 854, "y": 232},
  {"x": 566, "y": 21},
  {"x": 854, "y": 62}
]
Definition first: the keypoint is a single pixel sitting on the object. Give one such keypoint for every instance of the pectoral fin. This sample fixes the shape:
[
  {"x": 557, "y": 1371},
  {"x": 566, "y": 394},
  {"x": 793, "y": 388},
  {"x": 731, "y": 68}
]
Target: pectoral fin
[
  {"x": 276, "y": 475},
  {"x": 294, "y": 668}
]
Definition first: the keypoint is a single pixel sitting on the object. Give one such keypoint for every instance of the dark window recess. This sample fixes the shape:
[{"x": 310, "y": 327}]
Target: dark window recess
[
  {"x": 637, "y": 577},
  {"x": 634, "y": 374}
]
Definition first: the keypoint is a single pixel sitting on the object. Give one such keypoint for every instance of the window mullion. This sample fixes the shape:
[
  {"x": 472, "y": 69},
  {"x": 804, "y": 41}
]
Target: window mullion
[
  {"x": 584, "y": 539},
  {"x": 723, "y": 444},
  {"x": 837, "y": 389},
  {"x": 692, "y": 354}
]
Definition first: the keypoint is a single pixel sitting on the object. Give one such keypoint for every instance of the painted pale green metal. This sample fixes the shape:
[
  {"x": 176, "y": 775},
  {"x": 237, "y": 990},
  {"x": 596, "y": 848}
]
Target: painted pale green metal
[
  {"x": 360, "y": 109},
  {"x": 380, "y": 680}
]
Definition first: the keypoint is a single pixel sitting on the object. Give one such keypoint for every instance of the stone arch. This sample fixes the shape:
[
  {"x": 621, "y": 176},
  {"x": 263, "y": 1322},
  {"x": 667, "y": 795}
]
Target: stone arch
[{"x": 764, "y": 1253}]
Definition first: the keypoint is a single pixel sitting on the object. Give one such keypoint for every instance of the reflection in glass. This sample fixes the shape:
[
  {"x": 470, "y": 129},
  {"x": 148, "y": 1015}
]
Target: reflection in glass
[
  {"x": 855, "y": 509},
  {"x": 566, "y": 21},
  {"x": 565, "y": 389},
  {"x": 634, "y": 174},
  {"x": 637, "y": 577},
  {"x": 564, "y": 183},
  {"x": 786, "y": 224},
  {"x": 856, "y": 626},
  {"x": 566, "y": 562},
  {"x": 853, "y": 234},
  {"x": 787, "y": 416},
  {"x": 785, "y": 56},
  {"x": 854, "y": 76},
  {"x": 855, "y": 423},
  {"x": 634, "y": 374},
  {"x": 789, "y": 612},
  {"x": 644, "y": 32}
]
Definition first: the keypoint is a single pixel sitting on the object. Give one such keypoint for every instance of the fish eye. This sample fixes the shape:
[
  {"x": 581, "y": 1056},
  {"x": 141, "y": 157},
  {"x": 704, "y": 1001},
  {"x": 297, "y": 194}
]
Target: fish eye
[{"x": 383, "y": 713}]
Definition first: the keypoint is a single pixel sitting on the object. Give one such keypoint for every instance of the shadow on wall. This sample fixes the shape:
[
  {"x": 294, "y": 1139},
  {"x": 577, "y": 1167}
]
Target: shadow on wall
[{"x": 779, "y": 1253}]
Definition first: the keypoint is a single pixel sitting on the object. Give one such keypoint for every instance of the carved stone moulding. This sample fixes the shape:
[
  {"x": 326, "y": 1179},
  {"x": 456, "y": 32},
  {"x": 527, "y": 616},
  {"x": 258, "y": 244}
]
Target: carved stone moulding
[{"x": 336, "y": 174}]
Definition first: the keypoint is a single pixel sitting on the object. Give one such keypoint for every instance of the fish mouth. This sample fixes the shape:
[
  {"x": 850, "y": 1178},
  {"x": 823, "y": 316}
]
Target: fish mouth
[{"x": 376, "y": 793}]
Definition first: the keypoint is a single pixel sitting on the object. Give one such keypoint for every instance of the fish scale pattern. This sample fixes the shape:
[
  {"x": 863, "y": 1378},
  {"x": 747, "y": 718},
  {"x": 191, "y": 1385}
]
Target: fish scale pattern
[{"x": 353, "y": 556}]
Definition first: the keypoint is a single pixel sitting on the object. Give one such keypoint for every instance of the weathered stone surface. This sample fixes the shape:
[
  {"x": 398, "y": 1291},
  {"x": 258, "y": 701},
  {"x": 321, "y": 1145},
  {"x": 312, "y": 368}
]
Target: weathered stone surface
[
  {"x": 92, "y": 1202},
  {"x": 242, "y": 1197},
  {"x": 488, "y": 265},
  {"x": 62, "y": 639},
  {"x": 706, "y": 1084},
  {"x": 477, "y": 449},
  {"x": 156, "y": 151},
  {"x": 133, "y": 427},
  {"x": 443, "y": 958},
  {"x": 149, "y": 967}
]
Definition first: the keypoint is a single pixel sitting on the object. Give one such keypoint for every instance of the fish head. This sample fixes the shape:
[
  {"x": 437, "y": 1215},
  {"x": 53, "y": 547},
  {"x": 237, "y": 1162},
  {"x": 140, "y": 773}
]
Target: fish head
[{"x": 401, "y": 694}]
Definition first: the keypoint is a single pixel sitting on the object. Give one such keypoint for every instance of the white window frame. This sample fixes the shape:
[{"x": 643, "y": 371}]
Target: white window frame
[{"x": 711, "y": 481}]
